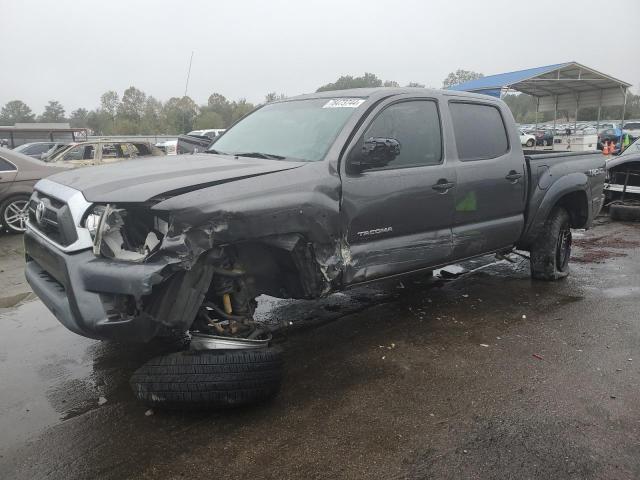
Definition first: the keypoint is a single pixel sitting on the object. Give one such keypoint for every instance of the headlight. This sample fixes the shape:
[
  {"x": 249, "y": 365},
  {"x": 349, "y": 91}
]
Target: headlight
[
  {"x": 92, "y": 220},
  {"x": 125, "y": 234}
]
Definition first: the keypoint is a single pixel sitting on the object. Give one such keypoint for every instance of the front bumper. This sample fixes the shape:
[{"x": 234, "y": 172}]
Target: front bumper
[{"x": 81, "y": 290}]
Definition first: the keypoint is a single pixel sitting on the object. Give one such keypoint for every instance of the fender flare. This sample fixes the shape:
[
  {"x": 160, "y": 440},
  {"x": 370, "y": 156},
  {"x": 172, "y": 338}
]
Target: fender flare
[{"x": 567, "y": 184}]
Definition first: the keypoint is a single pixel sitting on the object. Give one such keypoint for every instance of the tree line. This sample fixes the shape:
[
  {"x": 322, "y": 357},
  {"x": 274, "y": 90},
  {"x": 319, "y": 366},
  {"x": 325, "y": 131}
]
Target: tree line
[{"x": 138, "y": 113}]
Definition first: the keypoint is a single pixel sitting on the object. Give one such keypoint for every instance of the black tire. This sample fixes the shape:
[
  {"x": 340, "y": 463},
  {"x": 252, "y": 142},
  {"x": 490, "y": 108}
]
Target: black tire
[
  {"x": 551, "y": 250},
  {"x": 15, "y": 227},
  {"x": 530, "y": 142},
  {"x": 209, "y": 379},
  {"x": 624, "y": 213}
]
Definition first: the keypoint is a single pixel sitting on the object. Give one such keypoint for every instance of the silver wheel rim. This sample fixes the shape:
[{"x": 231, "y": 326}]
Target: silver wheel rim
[{"x": 16, "y": 215}]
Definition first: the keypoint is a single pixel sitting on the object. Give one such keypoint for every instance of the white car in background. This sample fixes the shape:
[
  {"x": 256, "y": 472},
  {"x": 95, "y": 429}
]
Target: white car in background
[
  {"x": 632, "y": 128},
  {"x": 212, "y": 133},
  {"x": 526, "y": 139},
  {"x": 169, "y": 147}
]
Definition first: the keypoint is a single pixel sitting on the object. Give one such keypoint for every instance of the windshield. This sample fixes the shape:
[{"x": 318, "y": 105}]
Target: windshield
[{"x": 298, "y": 130}]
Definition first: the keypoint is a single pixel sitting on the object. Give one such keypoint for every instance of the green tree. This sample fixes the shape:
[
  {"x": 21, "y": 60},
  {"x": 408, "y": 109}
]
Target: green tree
[
  {"x": 109, "y": 102},
  {"x": 347, "y": 81},
  {"x": 273, "y": 96},
  {"x": 219, "y": 104},
  {"x": 53, "y": 112},
  {"x": 208, "y": 119},
  {"x": 460, "y": 76},
  {"x": 239, "y": 109},
  {"x": 16, "y": 111},
  {"x": 152, "y": 117},
  {"x": 132, "y": 105},
  {"x": 390, "y": 83},
  {"x": 79, "y": 117},
  {"x": 179, "y": 114}
]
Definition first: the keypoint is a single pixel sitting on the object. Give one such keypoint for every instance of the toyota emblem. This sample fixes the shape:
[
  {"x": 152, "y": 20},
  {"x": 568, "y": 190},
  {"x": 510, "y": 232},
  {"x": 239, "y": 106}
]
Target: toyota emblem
[{"x": 40, "y": 213}]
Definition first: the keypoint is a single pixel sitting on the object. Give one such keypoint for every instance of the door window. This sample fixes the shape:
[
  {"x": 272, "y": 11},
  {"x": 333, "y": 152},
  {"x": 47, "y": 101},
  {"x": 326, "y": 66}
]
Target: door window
[
  {"x": 112, "y": 150},
  {"x": 479, "y": 131},
  {"x": 80, "y": 152},
  {"x": 415, "y": 124}
]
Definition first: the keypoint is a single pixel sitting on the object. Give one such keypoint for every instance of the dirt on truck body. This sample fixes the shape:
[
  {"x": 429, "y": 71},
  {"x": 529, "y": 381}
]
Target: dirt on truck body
[{"x": 301, "y": 198}]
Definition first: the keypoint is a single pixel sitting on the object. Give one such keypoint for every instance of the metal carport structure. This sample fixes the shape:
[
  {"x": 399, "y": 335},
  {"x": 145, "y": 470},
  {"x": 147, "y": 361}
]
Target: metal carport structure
[{"x": 563, "y": 86}]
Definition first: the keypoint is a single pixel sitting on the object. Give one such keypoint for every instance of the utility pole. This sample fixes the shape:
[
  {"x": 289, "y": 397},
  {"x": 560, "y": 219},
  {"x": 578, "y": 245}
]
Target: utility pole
[{"x": 186, "y": 87}]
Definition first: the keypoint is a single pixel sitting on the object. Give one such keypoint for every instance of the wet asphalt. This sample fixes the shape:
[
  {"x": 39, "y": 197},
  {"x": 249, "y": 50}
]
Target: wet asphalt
[{"x": 478, "y": 375}]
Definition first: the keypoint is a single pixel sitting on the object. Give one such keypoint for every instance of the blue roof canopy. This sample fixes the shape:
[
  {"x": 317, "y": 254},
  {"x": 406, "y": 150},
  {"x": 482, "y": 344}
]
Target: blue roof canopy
[
  {"x": 495, "y": 83},
  {"x": 561, "y": 83}
]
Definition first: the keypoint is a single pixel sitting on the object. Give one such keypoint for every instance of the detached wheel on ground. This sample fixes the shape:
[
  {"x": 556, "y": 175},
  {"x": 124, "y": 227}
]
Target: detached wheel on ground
[
  {"x": 624, "y": 213},
  {"x": 209, "y": 379},
  {"x": 551, "y": 251},
  {"x": 14, "y": 213}
]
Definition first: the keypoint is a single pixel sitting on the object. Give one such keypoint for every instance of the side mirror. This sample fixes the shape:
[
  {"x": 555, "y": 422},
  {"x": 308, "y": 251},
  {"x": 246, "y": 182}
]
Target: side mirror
[{"x": 376, "y": 152}]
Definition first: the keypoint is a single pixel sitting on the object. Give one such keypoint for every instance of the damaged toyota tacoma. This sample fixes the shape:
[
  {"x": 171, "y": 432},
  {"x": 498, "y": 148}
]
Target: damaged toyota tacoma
[{"x": 299, "y": 199}]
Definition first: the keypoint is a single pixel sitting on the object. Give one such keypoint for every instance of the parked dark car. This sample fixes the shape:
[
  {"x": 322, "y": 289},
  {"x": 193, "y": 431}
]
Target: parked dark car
[
  {"x": 544, "y": 138},
  {"x": 301, "y": 198},
  {"x": 40, "y": 150},
  {"x": 18, "y": 175}
]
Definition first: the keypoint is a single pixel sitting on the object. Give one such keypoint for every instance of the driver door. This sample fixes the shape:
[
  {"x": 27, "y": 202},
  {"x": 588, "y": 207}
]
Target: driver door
[{"x": 398, "y": 216}]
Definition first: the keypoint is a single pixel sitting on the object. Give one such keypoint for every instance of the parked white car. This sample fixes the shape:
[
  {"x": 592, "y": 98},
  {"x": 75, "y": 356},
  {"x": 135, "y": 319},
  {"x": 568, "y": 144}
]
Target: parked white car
[
  {"x": 211, "y": 133},
  {"x": 632, "y": 128},
  {"x": 169, "y": 147},
  {"x": 527, "y": 139}
]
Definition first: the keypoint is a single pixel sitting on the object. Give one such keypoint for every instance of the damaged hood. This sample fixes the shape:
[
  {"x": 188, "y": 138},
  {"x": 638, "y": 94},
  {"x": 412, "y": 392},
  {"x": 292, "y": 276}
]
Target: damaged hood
[{"x": 145, "y": 179}]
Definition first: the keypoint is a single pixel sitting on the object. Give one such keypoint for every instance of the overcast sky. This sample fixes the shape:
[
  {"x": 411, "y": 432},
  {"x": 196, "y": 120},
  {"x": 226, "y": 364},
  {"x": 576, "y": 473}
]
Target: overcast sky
[{"x": 73, "y": 51}]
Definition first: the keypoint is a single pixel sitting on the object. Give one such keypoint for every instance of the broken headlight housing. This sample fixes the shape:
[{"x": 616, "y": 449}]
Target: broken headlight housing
[{"x": 131, "y": 234}]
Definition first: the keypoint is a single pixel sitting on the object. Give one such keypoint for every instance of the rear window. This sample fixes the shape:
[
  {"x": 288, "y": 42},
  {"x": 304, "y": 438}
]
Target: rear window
[{"x": 479, "y": 131}]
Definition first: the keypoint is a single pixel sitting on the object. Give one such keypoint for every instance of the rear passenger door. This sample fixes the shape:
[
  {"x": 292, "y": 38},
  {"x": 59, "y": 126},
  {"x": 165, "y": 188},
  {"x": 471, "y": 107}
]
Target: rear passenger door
[
  {"x": 490, "y": 193},
  {"x": 398, "y": 217}
]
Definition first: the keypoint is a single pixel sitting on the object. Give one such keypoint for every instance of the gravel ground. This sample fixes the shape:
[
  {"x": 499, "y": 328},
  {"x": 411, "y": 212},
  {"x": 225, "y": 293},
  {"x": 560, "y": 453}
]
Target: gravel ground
[{"x": 487, "y": 374}]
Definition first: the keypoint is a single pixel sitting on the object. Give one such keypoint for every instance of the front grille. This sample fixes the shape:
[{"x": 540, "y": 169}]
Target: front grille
[{"x": 56, "y": 221}]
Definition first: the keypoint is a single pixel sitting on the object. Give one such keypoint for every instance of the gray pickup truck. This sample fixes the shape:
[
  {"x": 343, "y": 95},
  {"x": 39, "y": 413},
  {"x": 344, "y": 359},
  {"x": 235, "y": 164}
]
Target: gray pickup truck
[{"x": 301, "y": 198}]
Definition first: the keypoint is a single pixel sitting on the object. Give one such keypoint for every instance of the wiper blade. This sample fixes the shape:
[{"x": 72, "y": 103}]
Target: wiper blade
[
  {"x": 268, "y": 156},
  {"x": 215, "y": 152}
]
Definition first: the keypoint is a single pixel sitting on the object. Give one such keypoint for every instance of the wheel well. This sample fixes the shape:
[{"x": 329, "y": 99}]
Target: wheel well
[{"x": 576, "y": 203}]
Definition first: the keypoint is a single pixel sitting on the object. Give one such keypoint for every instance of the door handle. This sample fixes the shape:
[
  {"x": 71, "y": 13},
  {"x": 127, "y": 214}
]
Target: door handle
[
  {"x": 513, "y": 176},
  {"x": 443, "y": 186}
]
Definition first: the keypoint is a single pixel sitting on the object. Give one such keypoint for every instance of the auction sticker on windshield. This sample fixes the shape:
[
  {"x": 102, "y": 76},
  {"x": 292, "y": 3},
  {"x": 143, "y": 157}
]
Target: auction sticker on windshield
[{"x": 344, "y": 103}]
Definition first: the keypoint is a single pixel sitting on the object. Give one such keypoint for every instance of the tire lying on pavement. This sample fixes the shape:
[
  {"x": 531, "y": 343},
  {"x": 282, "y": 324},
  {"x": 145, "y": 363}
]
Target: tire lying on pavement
[
  {"x": 624, "y": 213},
  {"x": 551, "y": 251},
  {"x": 209, "y": 379}
]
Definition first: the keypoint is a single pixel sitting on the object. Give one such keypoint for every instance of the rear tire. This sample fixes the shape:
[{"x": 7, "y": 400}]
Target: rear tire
[
  {"x": 552, "y": 248},
  {"x": 209, "y": 379},
  {"x": 530, "y": 143},
  {"x": 624, "y": 213}
]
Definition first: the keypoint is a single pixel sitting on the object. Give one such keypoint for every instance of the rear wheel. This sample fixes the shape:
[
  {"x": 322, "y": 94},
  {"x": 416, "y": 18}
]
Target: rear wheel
[
  {"x": 209, "y": 379},
  {"x": 14, "y": 213},
  {"x": 530, "y": 142},
  {"x": 551, "y": 250}
]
